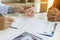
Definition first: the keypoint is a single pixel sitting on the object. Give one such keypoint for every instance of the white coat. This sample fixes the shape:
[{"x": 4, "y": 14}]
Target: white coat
[{"x": 3, "y": 8}]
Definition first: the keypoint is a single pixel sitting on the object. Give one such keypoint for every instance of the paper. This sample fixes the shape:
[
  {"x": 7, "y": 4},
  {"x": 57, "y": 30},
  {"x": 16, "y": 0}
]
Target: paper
[
  {"x": 33, "y": 25},
  {"x": 27, "y": 36}
]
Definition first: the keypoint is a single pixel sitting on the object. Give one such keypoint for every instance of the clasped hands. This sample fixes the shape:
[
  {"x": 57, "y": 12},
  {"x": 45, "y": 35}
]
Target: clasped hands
[{"x": 53, "y": 14}]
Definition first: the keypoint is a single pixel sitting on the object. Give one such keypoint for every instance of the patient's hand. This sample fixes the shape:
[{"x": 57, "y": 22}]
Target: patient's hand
[
  {"x": 30, "y": 11},
  {"x": 53, "y": 14},
  {"x": 5, "y": 22}
]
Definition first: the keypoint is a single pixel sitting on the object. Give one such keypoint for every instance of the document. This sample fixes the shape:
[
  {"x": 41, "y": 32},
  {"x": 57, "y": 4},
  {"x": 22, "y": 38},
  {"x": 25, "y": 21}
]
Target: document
[
  {"x": 27, "y": 36},
  {"x": 33, "y": 25}
]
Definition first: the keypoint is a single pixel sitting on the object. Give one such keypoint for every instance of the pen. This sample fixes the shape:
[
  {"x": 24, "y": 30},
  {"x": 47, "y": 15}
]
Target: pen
[
  {"x": 13, "y": 27},
  {"x": 52, "y": 32}
]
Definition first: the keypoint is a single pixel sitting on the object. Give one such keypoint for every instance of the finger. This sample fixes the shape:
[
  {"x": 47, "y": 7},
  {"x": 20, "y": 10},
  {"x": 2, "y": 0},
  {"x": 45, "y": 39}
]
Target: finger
[
  {"x": 21, "y": 10},
  {"x": 51, "y": 19},
  {"x": 58, "y": 14},
  {"x": 8, "y": 23},
  {"x": 28, "y": 13},
  {"x": 30, "y": 9},
  {"x": 10, "y": 19},
  {"x": 51, "y": 16}
]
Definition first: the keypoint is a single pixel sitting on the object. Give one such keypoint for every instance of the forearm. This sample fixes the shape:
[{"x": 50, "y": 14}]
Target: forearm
[{"x": 13, "y": 9}]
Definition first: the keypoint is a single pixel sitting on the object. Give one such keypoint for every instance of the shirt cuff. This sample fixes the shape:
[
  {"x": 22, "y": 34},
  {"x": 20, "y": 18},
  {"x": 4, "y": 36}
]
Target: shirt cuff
[{"x": 10, "y": 10}]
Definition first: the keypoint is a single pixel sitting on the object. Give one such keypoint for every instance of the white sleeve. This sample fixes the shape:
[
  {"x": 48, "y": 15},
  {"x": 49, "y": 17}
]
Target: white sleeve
[{"x": 3, "y": 9}]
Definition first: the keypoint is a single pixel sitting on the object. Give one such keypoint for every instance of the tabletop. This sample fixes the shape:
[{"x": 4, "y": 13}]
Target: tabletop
[{"x": 10, "y": 33}]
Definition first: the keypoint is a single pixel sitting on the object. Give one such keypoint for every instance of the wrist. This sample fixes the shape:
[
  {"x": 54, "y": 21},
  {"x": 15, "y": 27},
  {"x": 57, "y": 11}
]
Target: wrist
[
  {"x": 10, "y": 10},
  {"x": 15, "y": 9},
  {"x": 18, "y": 9}
]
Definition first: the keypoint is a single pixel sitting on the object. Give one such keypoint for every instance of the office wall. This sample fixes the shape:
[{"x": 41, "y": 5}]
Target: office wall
[
  {"x": 9, "y": 0},
  {"x": 50, "y": 2},
  {"x": 6, "y": 0}
]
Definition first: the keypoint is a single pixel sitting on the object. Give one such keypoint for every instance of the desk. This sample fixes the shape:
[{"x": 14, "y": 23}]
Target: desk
[{"x": 9, "y": 34}]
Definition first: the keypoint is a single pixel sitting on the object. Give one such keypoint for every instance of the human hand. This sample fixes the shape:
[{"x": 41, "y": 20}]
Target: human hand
[
  {"x": 53, "y": 14},
  {"x": 5, "y": 22},
  {"x": 29, "y": 10}
]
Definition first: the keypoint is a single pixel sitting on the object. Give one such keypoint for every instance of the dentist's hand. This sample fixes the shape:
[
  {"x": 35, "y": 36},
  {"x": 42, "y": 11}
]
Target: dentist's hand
[
  {"x": 19, "y": 9},
  {"x": 29, "y": 10},
  {"x": 5, "y": 22}
]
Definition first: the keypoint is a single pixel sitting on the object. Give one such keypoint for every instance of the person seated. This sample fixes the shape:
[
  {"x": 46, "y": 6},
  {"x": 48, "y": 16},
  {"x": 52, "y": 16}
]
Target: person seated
[{"x": 5, "y": 22}]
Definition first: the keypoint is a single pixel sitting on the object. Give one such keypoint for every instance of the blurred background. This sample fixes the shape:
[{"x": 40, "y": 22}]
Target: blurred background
[{"x": 40, "y": 5}]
